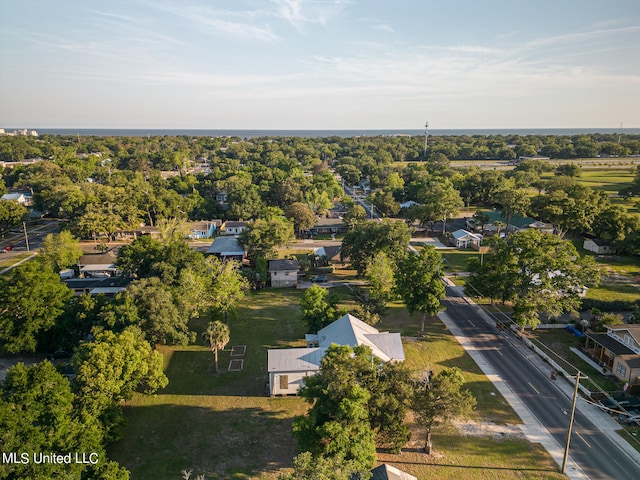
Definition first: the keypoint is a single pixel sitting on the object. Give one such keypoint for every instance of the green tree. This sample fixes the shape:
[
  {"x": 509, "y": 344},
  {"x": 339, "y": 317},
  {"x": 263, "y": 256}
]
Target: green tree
[
  {"x": 60, "y": 251},
  {"x": 216, "y": 336},
  {"x": 440, "y": 201},
  {"x": 614, "y": 223},
  {"x": 262, "y": 238},
  {"x": 355, "y": 214},
  {"x": 38, "y": 415},
  {"x": 365, "y": 239},
  {"x": 113, "y": 367},
  {"x": 537, "y": 272},
  {"x": 303, "y": 217},
  {"x": 159, "y": 317},
  {"x": 514, "y": 201},
  {"x": 11, "y": 214},
  {"x": 440, "y": 400},
  {"x": 381, "y": 278},
  {"x": 385, "y": 203},
  {"x": 318, "y": 308},
  {"x": 31, "y": 299},
  {"x": 337, "y": 425},
  {"x": 308, "y": 467},
  {"x": 419, "y": 282},
  {"x": 568, "y": 170}
]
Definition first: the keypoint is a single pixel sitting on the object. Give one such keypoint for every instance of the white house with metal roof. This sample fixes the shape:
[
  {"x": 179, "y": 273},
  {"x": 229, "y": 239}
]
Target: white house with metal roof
[
  {"x": 289, "y": 366},
  {"x": 463, "y": 239}
]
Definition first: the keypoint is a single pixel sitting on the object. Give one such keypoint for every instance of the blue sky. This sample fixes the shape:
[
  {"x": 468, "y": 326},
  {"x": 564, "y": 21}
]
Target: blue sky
[{"x": 319, "y": 64}]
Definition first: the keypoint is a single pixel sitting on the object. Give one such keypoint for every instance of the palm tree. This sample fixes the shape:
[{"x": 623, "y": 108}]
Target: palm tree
[{"x": 216, "y": 336}]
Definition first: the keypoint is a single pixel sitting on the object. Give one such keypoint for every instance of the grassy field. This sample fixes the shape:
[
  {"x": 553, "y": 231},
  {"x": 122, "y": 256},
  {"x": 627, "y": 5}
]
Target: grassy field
[
  {"x": 456, "y": 261},
  {"x": 224, "y": 426}
]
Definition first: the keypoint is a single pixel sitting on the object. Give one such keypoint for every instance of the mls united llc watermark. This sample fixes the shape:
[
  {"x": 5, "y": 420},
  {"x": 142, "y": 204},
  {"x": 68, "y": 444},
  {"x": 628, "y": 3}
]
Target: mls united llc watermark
[{"x": 54, "y": 458}]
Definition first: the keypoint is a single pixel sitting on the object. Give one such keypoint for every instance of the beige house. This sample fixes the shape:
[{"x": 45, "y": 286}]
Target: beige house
[
  {"x": 283, "y": 273},
  {"x": 618, "y": 350}
]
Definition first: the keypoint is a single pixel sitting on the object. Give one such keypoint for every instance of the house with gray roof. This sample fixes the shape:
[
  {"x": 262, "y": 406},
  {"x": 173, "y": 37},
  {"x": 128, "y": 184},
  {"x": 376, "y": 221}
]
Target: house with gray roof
[
  {"x": 288, "y": 367},
  {"x": 283, "y": 272},
  {"x": 227, "y": 248}
]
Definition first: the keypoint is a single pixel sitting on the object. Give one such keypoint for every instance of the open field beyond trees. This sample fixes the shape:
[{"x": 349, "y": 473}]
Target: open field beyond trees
[{"x": 225, "y": 427}]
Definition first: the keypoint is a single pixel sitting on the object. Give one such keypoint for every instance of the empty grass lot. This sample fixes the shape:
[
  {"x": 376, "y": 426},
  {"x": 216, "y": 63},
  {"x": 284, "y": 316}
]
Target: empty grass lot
[{"x": 225, "y": 427}]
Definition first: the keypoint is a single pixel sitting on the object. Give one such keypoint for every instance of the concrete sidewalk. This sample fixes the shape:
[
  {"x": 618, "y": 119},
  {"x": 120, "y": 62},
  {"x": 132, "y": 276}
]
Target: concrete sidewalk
[{"x": 532, "y": 428}]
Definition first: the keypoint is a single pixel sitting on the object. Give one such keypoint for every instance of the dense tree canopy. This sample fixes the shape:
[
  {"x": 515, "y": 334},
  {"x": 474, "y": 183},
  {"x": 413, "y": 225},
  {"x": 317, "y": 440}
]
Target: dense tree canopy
[
  {"x": 366, "y": 239},
  {"x": 537, "y": 272},
  {"x": 31, "y": 299}
]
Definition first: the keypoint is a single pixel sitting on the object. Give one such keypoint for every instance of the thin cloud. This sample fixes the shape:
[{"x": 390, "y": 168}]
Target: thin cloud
[{"x": 578, "y": 37}]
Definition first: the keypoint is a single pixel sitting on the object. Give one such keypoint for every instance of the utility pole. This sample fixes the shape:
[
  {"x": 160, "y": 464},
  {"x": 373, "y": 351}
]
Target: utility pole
[
  {"x": 573, "y": 411},
  {"x": 26, "y": 237},
  {"x": 426, "y": 138}
]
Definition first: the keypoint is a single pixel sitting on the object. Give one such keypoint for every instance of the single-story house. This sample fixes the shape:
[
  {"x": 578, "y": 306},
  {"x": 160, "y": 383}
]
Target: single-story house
[
  {"x": 463, "y": 239},
  {"x": 598, "y": 245},
  {"x": 288, "y": 367},
  {"x": 389, "y": 472},
  {"x": 328, "y": 226},
  {"x": 233, "y": 227},
  {"x": 203, "y": 229},
  {"x": 542, "y": 227},
  {"x": 23, "y": 198},
  {"x": 283, "y": 273},
  {"x": 516, "y": 222},
  {"x": 227, "y": 248},
  {"x": 331, "y": 252},
  {"x": 96, "y": 286}
]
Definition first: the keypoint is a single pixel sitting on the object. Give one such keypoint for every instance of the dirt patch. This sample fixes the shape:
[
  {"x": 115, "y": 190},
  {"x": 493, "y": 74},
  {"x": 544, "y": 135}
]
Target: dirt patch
[{"x": 489, "y": 429}]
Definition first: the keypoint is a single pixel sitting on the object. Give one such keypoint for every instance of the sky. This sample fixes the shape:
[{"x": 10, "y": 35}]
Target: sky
[{"x": 319, "y": 64}]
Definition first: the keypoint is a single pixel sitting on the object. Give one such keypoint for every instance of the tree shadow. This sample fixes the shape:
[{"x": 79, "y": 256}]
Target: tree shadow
[{"x": 219, "y": 440}]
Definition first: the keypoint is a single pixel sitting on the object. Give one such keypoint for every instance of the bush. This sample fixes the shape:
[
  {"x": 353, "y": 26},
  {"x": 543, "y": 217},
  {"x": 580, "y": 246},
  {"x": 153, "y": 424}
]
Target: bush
[
  {"x": 608, "y": 306},
  {"x": 328, "y": 269}
]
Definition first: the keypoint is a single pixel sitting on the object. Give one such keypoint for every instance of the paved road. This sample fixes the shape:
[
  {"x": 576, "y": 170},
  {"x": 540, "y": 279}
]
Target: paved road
[{"x": 592, "y": 451}]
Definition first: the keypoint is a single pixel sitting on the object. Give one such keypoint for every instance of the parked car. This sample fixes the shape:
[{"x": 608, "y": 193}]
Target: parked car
[
  {"x": 320, "y": 279},
  {"x": 8, "y": 248}
]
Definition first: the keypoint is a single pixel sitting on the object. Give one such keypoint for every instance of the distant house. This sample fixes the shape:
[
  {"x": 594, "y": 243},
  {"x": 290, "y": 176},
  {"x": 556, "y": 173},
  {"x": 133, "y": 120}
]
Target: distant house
[
  {"x": 283, "y": 273},
  {"x": 288, "y": 367},
  {"x": 96, "y": 286},
  {"x": 221, "y": 196},
  {"x": 516, "y": 223},
  {"x": 598, "y": 245},
  {"x": 23, "y": 198},
  {"x": 464, "y": 239},
  {"x": 409, "y": 204},
  {"x": 233, "y": 227},
  {"x": 227, "y": 248},
  {"x": 203, "y": 229},
  {"x": 388, "y": 472},
  {"x": 98, "y": 265},
  {"x": 325, "y": 226}
]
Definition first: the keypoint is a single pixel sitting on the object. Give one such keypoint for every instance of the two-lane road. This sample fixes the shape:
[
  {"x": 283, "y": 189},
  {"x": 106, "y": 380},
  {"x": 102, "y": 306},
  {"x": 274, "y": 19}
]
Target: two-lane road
[{"x": 595, "y": 454}]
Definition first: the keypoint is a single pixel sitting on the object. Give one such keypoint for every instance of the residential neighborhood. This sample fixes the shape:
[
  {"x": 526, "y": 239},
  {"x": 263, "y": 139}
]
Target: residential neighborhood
[{"x": 283, "y": 301}]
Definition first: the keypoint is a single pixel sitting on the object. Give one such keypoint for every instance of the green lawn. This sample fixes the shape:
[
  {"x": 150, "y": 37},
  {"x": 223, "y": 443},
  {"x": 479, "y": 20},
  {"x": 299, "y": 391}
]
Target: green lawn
[
  {"x": 456, "y": 261},
  {"x": 224, "y": 426}
]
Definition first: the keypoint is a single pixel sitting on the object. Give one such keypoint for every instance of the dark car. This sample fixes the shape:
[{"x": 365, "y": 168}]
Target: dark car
[
  {"x": 320, "y": 279},
  {"x": 59, "y": 355}
]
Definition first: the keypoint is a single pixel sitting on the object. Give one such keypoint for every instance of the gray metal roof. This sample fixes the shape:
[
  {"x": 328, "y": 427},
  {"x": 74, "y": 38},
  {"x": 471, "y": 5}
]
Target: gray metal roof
[
  {"x": 295, "y": 359},
  {"x": 388, "y": 472},
  {"x": 226, "y": 247}
]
